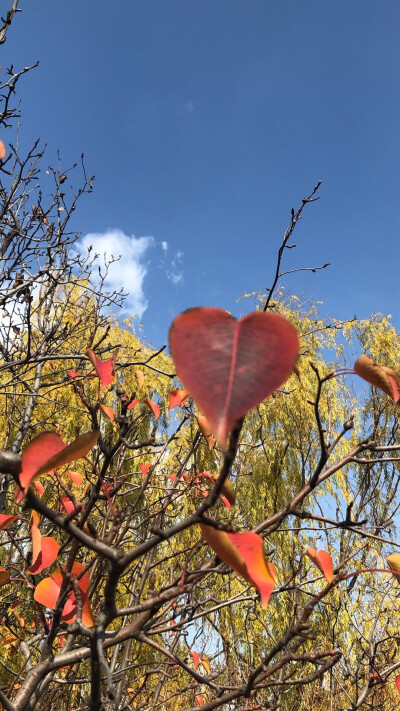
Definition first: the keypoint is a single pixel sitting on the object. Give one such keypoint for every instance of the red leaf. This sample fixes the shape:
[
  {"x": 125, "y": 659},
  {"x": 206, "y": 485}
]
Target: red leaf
[
  {"x": 39, "y": 451},
  {"x": 196, "y": 659},
  {"x": 105, "y": 369},
  {"x": 39, "y": 487},
  {"x": 73, "y": 373},
  {"x": 177, "y": 397},
  {"x": 108, "y": 411},
  {"x": 44, "y": 549},
  {"x": 48, "y": 452},
  {"x": 6, "y": 520},
  {"x": 199, "y": 700},
  {"x": 68, "y": 504},
  {"x": 3, "y": 151},
  {"x": 132, "y": 404},
  {"x": 244, "y": 553},
  {"x": 398, "y": 683},
  {"x": 172, "y": 477},
  {"x": 4, "y": 576},
  {"x": 230, "y": 366},
  {"x": 144, "y": 468},
  {"x": 153, "y": 407},
  {"x": 323, "y": 561},
  {"x": 225, "y": 501}
]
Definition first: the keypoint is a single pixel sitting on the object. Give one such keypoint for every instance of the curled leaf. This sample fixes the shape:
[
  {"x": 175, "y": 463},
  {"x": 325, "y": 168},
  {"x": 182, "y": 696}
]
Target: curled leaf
[
  {"x": 394, "y": 564},
  {"x": 4, "y": 576},
  {"x": 323, "y": 561},
  {"x": 205, "y": 429},
  {"x": 244, "y": 553},
  {"x": 380, "y": 376},
  {"x": 230, "y": 366},
  {"x": 44, "y": 548}
]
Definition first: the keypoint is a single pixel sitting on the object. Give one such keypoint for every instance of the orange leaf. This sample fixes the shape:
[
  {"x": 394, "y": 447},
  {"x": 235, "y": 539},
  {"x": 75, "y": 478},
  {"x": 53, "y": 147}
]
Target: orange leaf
[
  {"x": 48, "y": 590},
  {"x": 196, "y": 659},
  {"x": 380, "y": 376},
  {"x": 394, "y": 564},
  {"x": 199, "y": 700},
  {"x": 140, "y": 378},
  {"x": 6, "y": 520},
  {"x": 205, "y": 430},
  {"x": 323, "y": 561},
  {"x": 4, "y": 576},
  {"x": 3, "y": 151},
  {"x": 75, "y": 477},
  {"x": 105, "y": 369},
  {"x": 244, "y": 553},
  {"x": 108, "y": 411},
  {"x": 153, "y": 407},
  {"x": 177, "y": 397},
  {"x": 68, "y": 504},
  {"x": 206, "y": 664}
]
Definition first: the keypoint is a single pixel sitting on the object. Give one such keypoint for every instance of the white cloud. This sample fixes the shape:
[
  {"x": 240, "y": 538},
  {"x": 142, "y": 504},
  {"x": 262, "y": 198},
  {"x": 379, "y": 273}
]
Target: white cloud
[
  {"x": 164, "y": 245},
  {"x": 174, "y": 272},
  {"x": 129, "y": 272}
]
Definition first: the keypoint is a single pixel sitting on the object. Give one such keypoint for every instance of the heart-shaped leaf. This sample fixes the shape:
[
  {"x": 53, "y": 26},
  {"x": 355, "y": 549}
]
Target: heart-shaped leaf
[
  {"x": 323, "y": 561},
  {"x": 380, "y": 376},
  {"x": 230, "y": 366},
  {"x": 244, "y": 553}
]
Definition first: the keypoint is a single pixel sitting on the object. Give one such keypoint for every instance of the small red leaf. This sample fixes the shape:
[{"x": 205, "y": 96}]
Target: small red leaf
[
  {"x": 323, "y": 561},
  {"x": 75, "y": 477},
  {"x": 231, "y": 366},
  {"x": 153, "y": 407},
  {"x": 105, "y": 369},
  {"x": 73, "y": 373},
  {"x": 196, "y": 659},
  {"x": 39, "y": 487},
  {"x": 68, "y": 504},
  {"x": 199, "y": 700},
  {"x": 3, "y": 151},
  {"x": 6, "y": 520},
  {"x": 177, "y": 397},
  {"x": 398, "y": 683},
  {"x": 132, "y": 404},
  {"x": 144, "y": 468}
]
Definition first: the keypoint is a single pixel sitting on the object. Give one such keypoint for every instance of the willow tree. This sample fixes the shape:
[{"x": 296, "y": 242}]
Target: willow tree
[{"x": 158, "y": 555}]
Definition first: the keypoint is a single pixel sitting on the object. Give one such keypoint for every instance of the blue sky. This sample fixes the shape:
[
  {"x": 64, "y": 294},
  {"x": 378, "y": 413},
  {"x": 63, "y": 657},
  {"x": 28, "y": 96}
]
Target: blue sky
[{"x": 204, "y": 122}]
